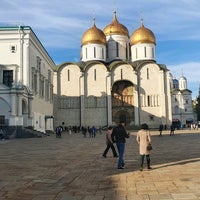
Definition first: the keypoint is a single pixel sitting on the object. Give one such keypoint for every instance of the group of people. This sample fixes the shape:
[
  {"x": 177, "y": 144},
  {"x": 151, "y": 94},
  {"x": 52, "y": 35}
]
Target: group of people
[
  {"x": 119, "y": 134},
  {"x": 92, "y": 131},
  {"x": 161, "y": 127}
]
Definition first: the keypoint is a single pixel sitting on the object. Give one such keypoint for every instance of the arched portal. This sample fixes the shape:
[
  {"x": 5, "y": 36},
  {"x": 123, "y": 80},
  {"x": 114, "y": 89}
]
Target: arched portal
[
  {"x": 123, "y": 102},
  {"x": 25, "y": 112},
  {"x": 5, "y": 112}
]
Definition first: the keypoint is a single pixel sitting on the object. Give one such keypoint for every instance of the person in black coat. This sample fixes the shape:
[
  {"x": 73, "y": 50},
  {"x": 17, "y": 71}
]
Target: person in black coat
[
  {"x": 119, "y": 136},
  {"x": 161, "y": 129}
]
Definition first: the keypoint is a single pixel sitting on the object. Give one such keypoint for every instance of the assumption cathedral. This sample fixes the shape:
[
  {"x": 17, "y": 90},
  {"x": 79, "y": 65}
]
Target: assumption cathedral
[{"x": 116, "y": 79}]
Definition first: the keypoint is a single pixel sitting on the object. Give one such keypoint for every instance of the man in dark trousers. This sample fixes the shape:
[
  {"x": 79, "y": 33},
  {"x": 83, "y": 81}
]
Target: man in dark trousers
[
  {"x": 119, "y": 135},
  {"x": 160, "y": 129}
]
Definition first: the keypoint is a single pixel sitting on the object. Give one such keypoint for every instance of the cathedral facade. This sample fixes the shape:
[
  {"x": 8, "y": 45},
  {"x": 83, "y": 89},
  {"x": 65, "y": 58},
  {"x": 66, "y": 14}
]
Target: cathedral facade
[{"x": 117, "y": 79}]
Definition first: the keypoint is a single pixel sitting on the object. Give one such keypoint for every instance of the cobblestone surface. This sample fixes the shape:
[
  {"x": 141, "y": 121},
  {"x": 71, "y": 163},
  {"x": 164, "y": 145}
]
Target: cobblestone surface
[{"x": 72, "y": 168}]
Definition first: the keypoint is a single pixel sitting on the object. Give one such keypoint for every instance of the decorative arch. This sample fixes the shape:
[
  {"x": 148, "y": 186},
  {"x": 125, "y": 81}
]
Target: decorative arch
[
  {"x": 24, "y": 106},
  {"x": 25, "y": 112},
  {"x": 123, "y": 102}
]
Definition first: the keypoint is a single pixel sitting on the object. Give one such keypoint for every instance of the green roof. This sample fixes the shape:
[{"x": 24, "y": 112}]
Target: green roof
[{"x": 14, "y": 28}]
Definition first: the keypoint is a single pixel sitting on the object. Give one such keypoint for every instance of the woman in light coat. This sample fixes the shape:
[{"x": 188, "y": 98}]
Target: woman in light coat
[{"x": 143, "y": 139}]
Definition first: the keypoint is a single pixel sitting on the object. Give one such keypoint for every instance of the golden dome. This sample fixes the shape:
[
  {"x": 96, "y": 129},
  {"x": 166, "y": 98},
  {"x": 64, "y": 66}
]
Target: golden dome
[
  {"x": 94, "y": 35},
  {"x": 142, "y": 35},
  {"x": 115, "y": 28}
]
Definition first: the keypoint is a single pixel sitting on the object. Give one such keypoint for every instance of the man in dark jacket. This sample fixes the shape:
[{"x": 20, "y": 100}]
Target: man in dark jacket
[{"x": 119, "y": 135}]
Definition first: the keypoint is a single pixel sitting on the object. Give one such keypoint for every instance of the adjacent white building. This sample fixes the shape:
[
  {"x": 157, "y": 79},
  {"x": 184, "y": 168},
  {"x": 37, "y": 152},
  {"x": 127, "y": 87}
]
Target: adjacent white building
[
  {"x": 26, "y": 81},
  {"x": 182, "y": 109}
]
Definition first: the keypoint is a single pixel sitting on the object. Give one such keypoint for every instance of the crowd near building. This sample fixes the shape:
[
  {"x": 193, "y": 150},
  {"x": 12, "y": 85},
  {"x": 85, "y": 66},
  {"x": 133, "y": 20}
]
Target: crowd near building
[{"x": 117, "y": 78}]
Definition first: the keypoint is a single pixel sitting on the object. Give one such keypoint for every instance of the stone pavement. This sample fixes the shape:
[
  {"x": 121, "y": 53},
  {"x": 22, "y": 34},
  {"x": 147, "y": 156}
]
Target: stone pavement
[{"x": 72, "y": 168}]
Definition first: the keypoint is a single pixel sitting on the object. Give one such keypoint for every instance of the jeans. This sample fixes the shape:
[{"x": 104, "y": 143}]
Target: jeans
[{"x": 120, "y": 148}]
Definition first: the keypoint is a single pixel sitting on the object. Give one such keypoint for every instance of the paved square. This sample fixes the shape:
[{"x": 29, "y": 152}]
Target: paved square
[{"x": 72, "y": 168}]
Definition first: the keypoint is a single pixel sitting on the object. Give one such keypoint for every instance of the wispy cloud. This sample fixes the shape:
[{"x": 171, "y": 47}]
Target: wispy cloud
[{"x": 60, "y": 25}]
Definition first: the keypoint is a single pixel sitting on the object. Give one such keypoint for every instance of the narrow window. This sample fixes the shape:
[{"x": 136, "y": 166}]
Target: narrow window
[
  {"x": 40, "y": 85},
  {"x": 95, "y": 74},
  {"x": 94, "y": 52},
  {"x": 121, "y": 74},
  {"x": 46, "y": 90},
  {"x": 147, "y": 73},
  {"x": 117, "y": 49},
  {"x": 49, "y": 76},
  {"x": 126, "y": 51},
  {"x": 35, "y": 83},
  {"x": 148, "y": 100},
  {"x": 68, "y": 75},
  {"x": 145, "y": 52},
  {"x": 86, "y": 53},
  {"x": 102, "y": 53},
  {"x": 32, "y": 81},
  {"x": 39, "y": 64}
]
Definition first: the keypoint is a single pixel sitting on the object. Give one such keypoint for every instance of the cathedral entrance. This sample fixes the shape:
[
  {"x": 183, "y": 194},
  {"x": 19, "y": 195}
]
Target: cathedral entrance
[{"x": 123, "y": 102}]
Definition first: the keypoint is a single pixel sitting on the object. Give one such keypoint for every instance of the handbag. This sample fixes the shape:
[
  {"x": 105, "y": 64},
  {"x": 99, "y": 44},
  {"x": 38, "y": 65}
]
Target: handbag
[{"x": 149, "y": 147}]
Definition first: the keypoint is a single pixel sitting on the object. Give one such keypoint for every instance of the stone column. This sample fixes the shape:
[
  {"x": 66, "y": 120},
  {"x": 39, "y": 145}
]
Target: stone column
[
  {"x": 82, "y": 97},
  {"x": 109, "y": 99},
  {"x": 13, "y": 103}
]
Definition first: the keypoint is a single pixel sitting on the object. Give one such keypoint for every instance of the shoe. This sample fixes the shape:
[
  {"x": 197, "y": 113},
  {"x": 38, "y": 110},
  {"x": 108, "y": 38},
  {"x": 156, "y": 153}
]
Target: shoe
[
  {"x": 116, "y": 156},
  {"x": 149, "y": 167},
  {"x": 141, "y": 168},
  {"x": 104, "y": 156},
  {"x": 120, "y": 167}
]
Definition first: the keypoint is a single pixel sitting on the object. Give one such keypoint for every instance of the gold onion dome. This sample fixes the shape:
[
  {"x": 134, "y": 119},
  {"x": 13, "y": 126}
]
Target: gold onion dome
[
  {"x": 94, "y": 36},
  {"x": 115, "y": 28},
  {"x": 142, "y": 35}
]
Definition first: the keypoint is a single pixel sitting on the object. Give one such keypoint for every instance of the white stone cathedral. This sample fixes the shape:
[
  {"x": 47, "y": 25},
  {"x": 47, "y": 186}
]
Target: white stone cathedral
[{"x": 117, "y": 78}]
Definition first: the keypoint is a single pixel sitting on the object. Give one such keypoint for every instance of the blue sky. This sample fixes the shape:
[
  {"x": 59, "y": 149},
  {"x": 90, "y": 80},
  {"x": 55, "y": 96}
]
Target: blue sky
[{"x": 60, "y": 25}]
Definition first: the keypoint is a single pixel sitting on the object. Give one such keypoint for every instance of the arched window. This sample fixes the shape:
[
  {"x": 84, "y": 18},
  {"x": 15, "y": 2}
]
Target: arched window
[
  {"x": 148, "y": 101},
  {"x": 176, "y": 110},
  {"x": 94, "y": 52},
  {"x": 117, "y": 49}
]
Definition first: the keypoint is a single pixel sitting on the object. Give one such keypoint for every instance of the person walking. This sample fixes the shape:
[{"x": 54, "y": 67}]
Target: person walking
[
  {"x": 58, "y": 131},
  {"x": 120, "y": 134},
  {"x": 172, "y": 129},
  {"x": 109, "y": 143},
  {"x": 160, "y": 129},
  {"x": 144, "y": 139}
]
